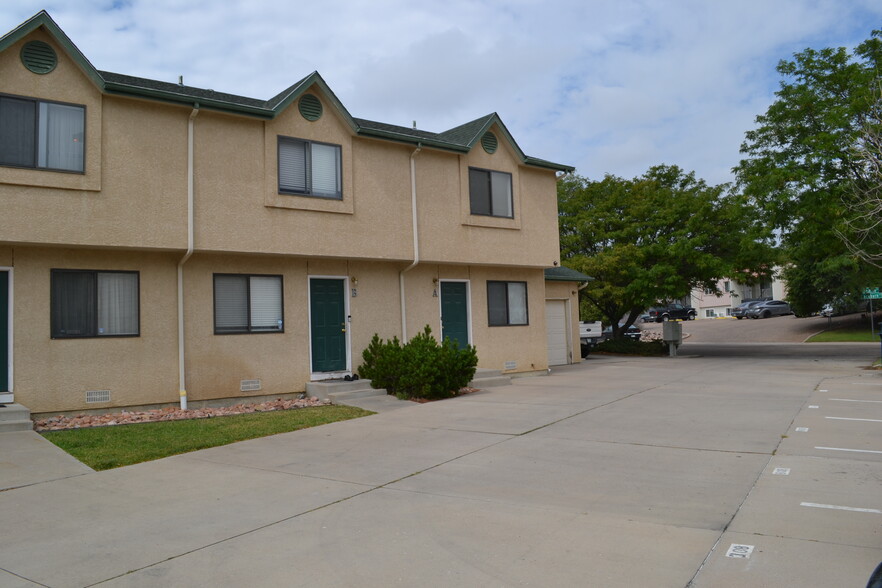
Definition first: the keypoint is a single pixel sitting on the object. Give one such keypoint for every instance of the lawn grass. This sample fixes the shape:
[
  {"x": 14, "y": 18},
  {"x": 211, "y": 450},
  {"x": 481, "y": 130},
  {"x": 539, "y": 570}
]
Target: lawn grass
[
  {"x": 846, "y": 335},
  {"x": 103, "y": 448}
]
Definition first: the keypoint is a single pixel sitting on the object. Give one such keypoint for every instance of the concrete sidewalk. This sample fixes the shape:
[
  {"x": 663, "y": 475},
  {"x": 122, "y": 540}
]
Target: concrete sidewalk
[
  {"x": 616, "y": 472},
  {"x": 27, "y": 458}
]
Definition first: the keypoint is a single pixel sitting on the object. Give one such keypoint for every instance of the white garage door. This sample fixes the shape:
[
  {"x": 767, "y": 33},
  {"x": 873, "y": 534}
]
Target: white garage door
[{"x": 556, "y": 323}]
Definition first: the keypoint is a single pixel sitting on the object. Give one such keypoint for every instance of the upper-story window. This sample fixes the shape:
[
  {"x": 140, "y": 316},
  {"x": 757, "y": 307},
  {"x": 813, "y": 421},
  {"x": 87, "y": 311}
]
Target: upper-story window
[
  {"x": 490, "y": 193},
  {"x": 40, "y": 134},
  {"x": 309, "y": 168}
]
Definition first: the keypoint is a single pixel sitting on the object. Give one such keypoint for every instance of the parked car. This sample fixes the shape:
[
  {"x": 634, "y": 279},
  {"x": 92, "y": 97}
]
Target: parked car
[
  {"x": 840, "y": 307},
  {"x": 590, "y": 334},
  {"x": 743, "y": 310},
  {"x": 672, "y": 312},
  {"x": 633, "y": 333},
  {"x": 769, "y": 308}
]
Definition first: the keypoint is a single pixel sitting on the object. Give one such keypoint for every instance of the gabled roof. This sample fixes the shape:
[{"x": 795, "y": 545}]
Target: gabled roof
[
  {"x": 459, "y": 139},
  {"x": 565, "y": 274},
  {"x": 42, "y": 19}
]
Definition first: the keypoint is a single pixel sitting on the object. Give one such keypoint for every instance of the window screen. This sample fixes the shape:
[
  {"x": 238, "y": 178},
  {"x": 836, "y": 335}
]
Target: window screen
[
  {"x": 507, "y": 303},
  {"x": 311, "y": 169},
  {"x": 86, "y": 303},
  {"x": 41, "y": 134},
  {"x": 490, "y": 193},
  {"x": 247, "y": 304}
]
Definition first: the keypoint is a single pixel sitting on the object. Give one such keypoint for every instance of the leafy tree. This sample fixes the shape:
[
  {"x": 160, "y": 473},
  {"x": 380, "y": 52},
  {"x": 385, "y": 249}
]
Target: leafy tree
[
  {"x": 652, "y": 238},
  {"x": 802, "y": 167},
  {"x": 864, "y": 216}
]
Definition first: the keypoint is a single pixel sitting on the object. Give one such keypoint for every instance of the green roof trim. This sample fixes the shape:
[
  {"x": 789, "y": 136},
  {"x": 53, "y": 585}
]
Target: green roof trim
[
  {"x": 565, "y": 274},
  {"x": 459, "y": 139},
  {"x": 42, "y": 19}
]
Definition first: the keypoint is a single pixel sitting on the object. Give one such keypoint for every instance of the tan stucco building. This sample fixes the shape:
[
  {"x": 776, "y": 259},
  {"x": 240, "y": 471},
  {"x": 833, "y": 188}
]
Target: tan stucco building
[{"x": 160, "y": 241}]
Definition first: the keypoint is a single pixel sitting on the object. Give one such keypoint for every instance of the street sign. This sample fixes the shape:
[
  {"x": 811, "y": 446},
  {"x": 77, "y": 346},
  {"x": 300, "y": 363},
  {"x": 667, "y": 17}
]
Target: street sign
[{"x": 872, "y": 293}]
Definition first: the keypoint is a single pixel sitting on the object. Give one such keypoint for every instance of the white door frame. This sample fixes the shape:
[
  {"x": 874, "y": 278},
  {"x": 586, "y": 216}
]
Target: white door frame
[
  {"x": 315, "y": 376},
  {"x": 8, "y": 397},
  {"x": 468, "y": 284}
]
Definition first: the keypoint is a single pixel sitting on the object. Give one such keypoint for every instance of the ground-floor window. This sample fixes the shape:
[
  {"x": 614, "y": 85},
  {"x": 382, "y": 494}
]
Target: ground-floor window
[
  {"x": 710, "y": 313},
  {"x": 90, "y": 303},
  {"x": 247, "y": 304},
  {"x": 507, "y": 303}
]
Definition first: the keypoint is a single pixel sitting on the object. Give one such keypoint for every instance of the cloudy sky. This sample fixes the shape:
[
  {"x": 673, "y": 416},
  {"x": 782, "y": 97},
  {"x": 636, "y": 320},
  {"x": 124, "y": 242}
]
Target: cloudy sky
[{"x": 611, "y": 86}]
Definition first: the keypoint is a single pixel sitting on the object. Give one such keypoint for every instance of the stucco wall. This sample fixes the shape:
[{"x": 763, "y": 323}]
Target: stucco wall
[
  {"x": 54, "y": 374},
  {"x": 66, "y": 83},
  {"x": 134, "y": 189},
  {"x": 128, "y": 211}
]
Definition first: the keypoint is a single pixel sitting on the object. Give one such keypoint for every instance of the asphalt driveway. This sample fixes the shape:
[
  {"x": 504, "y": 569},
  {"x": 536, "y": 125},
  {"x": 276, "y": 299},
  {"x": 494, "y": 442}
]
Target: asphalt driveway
[{"x": 616, "y": 472}]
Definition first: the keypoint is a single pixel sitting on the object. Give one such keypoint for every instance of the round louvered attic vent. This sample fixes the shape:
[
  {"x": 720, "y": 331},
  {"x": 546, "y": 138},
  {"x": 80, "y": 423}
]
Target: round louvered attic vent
[
  {"x": 310, "y": 107},
  {"x": 489, "y": 142},
  {"x": 39, "y": 57}
]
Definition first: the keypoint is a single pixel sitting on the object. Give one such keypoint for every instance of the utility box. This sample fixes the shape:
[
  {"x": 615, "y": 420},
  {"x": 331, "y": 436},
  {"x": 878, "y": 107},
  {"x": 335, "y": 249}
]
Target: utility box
[{"x": 672, "y": 332}]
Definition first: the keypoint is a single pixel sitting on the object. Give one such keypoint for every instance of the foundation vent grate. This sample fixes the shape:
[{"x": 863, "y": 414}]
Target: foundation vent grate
[
  {"x": 249, "y": 385},
  {"x": 97, "y": 396},
  {"x": 511, "y": 365}
]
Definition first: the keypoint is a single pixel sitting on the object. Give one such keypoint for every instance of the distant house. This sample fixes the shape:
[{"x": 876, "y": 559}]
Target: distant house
[
  {"x": 709, "y": 304},
  {"x": 163, "y": 243}
]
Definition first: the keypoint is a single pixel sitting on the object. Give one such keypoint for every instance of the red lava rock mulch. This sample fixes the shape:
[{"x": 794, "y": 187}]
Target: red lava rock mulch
[{"x": 80, "y": 421}]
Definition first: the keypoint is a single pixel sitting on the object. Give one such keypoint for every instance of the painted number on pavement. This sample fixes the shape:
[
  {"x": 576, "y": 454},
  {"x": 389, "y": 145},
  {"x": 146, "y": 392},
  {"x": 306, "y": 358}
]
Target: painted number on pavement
[{"x": 739, "y": 551}]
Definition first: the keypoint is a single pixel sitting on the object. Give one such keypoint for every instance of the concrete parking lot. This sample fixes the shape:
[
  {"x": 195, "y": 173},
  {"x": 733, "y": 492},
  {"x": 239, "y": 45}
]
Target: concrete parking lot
[{"x": 712, "y": 469}]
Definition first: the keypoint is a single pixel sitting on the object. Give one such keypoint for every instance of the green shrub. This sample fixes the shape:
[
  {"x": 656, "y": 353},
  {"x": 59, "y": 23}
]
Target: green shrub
[
  {"x": 421, "y": 368},
  {"x": 383, "y": 363},
  {"x": 631, "y": 347}
]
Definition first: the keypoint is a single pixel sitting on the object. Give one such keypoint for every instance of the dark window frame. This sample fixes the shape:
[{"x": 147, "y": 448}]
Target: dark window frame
[
  {"x": 249, "y": 329},
  {"x": 55, "y": 328},
  {"x": 475, "y": 210},
  {"x": 308, "y": 191},
  {"x": 36, "y": 135},
  {"x": 508, "y": 323}
]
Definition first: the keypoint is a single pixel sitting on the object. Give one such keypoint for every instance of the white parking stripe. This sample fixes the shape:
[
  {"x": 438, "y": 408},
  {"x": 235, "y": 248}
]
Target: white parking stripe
[
  {"x": 848, "y": 419},
  {"x": 850, "y": 400},
  {"x": 834, "y": 507},
  {"x": 852, "y": 450}
]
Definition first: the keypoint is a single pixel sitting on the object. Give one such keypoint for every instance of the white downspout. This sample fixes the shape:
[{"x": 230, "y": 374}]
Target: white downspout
[
  {"x": 416, "y": 242},
  {"x": 182, "y": 386}
]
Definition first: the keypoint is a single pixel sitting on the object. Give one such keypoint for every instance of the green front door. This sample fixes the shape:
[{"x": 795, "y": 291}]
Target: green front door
[
  {"x": 327, "y": 318},
  {"x": 4, "y": 331},
  {"x": 455, "y": 312}
]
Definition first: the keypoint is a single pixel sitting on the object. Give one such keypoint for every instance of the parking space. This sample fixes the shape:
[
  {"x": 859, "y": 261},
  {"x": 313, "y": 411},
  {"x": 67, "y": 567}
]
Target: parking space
[{"x": 815, "y": 514}]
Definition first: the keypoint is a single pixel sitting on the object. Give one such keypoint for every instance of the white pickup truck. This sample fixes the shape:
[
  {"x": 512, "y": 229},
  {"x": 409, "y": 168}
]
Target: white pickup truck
[{"x": 590, "y": 334}]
